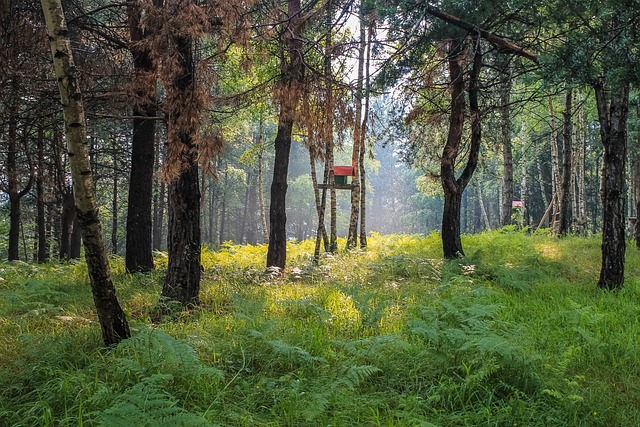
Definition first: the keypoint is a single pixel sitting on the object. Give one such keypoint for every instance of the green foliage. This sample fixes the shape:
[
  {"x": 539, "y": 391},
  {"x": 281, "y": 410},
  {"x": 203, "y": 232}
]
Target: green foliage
[{"x": 516, "y": 333}]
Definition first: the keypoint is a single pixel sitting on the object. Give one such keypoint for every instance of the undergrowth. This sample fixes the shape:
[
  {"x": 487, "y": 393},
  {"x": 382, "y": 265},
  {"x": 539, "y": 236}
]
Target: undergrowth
[{"x": 514, "y": 334}]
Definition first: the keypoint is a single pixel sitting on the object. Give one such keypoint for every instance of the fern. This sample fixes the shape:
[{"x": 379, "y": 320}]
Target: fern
[
  {"x": 153, "y": 351},
  {"x": 148, "y": 404},
  {"x": 354, "y": 376},
  {"x": 294, "y": 353}
]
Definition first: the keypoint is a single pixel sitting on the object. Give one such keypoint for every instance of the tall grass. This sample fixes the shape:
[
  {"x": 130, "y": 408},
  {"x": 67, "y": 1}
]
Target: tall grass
[{"x": 514, "y": 334}]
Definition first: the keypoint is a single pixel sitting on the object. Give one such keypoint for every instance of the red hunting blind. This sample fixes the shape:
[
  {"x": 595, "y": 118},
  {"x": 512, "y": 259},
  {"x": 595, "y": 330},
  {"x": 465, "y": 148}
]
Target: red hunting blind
[
  {"x": 343, "y": 175},
  {"x": 342, "y": 178}
]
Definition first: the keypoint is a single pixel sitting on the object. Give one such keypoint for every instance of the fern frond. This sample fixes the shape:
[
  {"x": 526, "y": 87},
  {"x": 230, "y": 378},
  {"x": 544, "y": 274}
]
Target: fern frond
[
  {"x": 147, "y": 404},
  {"x": 353, "y": 376}
]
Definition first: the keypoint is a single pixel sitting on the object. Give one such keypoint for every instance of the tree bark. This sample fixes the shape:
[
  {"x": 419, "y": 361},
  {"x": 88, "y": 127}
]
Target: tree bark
[
  {"x": 567, "y": 151},
  {"x": 182, "y": 282},
  {"x": 263, "y": 208},
  {"x": 114, "y": 204},
  {"x": 12, "y": 186},
  {"x": 277, "y": 251},
  {"x": 139, "y": 244},
  {"x": 354, "y": 217},
  {"x": 453, "y": 188},
  {"x": 637, "y": 182},
  {"x": 41, "y": 221},
  {"x": 580, "y": 175},
  {"x": 223, "y": 208},
  {"x": 75, "y": 244},
  {"x": 507, "y": 148},
  {"x": 158, "y": 202},
  {"x": 363, "y": 137},
  {"x": 291, "y": 79},
  {"x": 112, "y": 319},
  {"x": 321, "y": 201},
  {"x": 613, "y": 131},
  {"x": 555, "y": 170}
]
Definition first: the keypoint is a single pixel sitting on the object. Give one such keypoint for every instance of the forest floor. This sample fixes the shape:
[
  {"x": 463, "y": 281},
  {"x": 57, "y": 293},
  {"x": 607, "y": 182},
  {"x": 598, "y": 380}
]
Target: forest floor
[{"x": 514, "y": 334}]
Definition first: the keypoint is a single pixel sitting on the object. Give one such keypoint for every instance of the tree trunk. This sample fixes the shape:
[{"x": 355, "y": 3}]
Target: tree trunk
[
  {"x": 483, "y": 209},
  {"x": 41, "y": 220},
  {"x": 112, "y": 318},
  {"x": 263, "y": 208},
  {"x": 291, "y": 80},
  {"x": 252, "y": 229},
  {"x": 245, "y": 212},
  {"x": 523, "y": 189},
  {"x": 507, "y": 148},
  {"x": 580, "y": 175},
  {"x": 277, "y": 251},
  {"x": 139, "y": 244},
  {"x": 158, "y": 205},
  {"x": 75, "y": 244},
  {"x": 453, "y": 188},
  {"x": 555, "y": 169},
  {"x": 613, "y": 131},
  {"x": 11, "y": 188},
  {"x": 67, "y": 220},
  {"x": 223, "y": 209},
  {"x": 567, "y": 151},
  {"x": 182, "y": 282},
  {"x": 114, "y": 205},
  {"x": 354, "y": 217},
  {"x": 321, "y": 201},
  {"x": 363, "y": 136},
  {"x": 637, "y": 181}
]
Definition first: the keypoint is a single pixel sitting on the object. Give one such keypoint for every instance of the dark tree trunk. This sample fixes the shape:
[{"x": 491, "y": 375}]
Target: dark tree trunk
[
  {"x": 12, "y": 190},
  {"x": 451, "y": 243},
  {"x": 158, "y": 221},
  {"x": 75, "y": 244},
  {"x": 14, "y": 227},
  {"x": 613, "y": 131},
  {"x": 182, "y": 282},
  {"x": 41, "y": 219},
  {"x": 453, "y": 188},
  {"x": 277, "y": 251},
  {"x": 567, "y": 151},
  {"x": 139, "y": 226},
  {"x": 67, "y": 219},
  {"x": 158, "y": 205},
  {"x": 292, "y": 79},
  {"x": 114, "y": 205},
  {"x": 183, "y": 273}
]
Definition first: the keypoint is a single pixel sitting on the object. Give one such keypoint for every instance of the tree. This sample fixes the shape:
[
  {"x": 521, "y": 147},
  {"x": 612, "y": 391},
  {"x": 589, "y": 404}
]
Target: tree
[
  {"x": 454, "y": 187},
  {"x": 597, "y": 49},
  {"x": 112, "y": 319},
  {"x": 290, "y": 86},
  {"x": 139, "y": 225},
  {"x": 182, "y": 282}
]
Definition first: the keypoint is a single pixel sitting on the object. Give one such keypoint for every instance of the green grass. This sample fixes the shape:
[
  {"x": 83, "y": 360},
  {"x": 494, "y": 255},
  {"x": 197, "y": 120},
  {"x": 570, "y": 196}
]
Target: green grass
[{"x": 514, "y": 334}]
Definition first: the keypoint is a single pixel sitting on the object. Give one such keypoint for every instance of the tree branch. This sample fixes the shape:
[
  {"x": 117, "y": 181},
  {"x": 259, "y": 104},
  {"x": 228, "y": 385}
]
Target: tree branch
[{"x": 500, "y": 42}]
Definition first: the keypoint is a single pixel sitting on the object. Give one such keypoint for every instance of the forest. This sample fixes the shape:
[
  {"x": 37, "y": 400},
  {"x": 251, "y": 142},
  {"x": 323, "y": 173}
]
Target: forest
[{"x": 319, "y": 212}]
